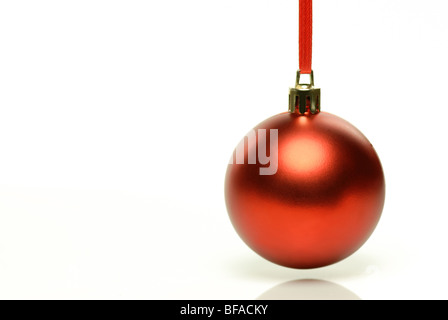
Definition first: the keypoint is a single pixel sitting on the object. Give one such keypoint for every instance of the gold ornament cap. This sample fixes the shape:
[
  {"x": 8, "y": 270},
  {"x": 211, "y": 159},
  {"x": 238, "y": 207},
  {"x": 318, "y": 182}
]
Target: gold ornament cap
[{"x": 304, "y": 97}]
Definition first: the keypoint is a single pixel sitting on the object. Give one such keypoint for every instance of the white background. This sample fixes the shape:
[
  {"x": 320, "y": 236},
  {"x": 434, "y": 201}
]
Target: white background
[{"x": 117, "y": 119}]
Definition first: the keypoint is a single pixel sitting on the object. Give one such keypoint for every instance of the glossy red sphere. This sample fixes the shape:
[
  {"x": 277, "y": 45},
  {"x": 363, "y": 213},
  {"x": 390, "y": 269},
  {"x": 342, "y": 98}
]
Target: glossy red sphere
[{"x": 319, "y": 203}]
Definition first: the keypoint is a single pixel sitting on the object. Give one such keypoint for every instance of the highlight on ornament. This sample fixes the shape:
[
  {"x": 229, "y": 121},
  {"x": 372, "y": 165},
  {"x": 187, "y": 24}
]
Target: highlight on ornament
[{"x": 305, "y": 188}]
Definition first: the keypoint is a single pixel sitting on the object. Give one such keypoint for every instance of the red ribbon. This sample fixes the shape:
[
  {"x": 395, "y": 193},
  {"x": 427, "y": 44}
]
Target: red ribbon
[{"x": 305, "y": 35}]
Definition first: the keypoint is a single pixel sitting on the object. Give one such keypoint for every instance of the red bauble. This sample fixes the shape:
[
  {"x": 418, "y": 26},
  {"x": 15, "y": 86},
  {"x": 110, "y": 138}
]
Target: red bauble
[{"x": 324, "y": 200}]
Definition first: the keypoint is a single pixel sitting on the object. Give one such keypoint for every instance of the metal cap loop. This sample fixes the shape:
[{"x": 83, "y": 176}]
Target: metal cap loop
[{"x": 304, "y": 97}]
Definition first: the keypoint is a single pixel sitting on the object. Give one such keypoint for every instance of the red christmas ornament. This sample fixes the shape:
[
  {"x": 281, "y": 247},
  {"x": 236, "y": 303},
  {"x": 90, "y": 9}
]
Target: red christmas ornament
[{"x": 305, "y": 188}]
